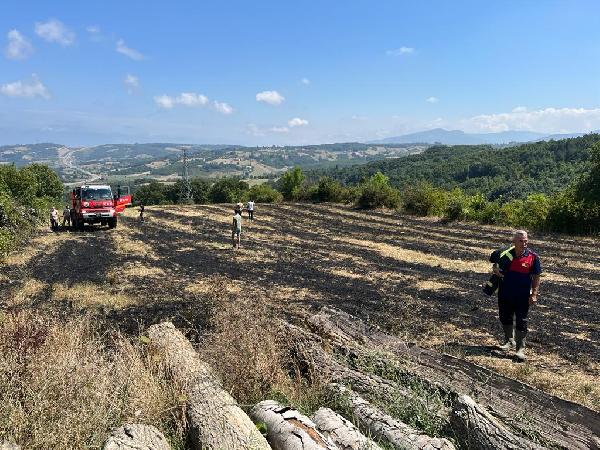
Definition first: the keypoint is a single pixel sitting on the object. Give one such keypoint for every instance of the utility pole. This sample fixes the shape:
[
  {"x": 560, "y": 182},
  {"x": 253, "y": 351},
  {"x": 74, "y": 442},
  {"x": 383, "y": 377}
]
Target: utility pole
[{"x": 185, "y": 195}]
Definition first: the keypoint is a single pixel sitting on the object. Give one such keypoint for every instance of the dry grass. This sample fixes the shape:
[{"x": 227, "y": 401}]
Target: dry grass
[
  {"x": 30, "y": 289},
  {"x": 248, "y": 349},
  {"x": 66, "y": 385},
  {"x": 90, "y": 295},
  {"x": 126, "y": 244},
  {"x": 407, "y": 255},
  {"x": 551, "y": 374},
  {"x": 35, "y": 247}
]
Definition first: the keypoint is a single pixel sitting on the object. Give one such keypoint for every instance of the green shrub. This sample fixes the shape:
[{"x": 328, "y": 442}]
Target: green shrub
[
  {"x": 376, "y": 192},
  {"x": 424, "y": 200},
  {"x": 263, "y": 193},
  {"x": 290, "y": 184},
  {"x": 328, "y": 190},
  {"x": 228, "y": 190}
]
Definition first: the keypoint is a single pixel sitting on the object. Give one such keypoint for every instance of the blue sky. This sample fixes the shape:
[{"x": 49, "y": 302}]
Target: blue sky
[{"x": 275, "y": 72}]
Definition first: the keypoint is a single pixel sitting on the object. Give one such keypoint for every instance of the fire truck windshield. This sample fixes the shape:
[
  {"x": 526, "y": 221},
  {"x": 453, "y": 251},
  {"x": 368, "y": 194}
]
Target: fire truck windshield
[{"x": 96, "y": 194}]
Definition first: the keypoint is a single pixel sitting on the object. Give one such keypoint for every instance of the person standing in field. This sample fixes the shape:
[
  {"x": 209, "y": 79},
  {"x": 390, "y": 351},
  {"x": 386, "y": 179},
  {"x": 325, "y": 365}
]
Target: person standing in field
[
  {"x": 250, "y": 209},
  {"x": 236, "y": 227},
  {"x": 141, "y": 212},
  {"x": 66, "y": 216},
  {"x": 517, "y": 291},
  {"x": 54, "y": 219}
]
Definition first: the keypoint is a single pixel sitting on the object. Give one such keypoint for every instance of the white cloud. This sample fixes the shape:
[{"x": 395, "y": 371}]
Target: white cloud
[
  {"x": 25, "y": 88},
  {"x": 93, "y": 29},
  {"x": 270, "y": 97},
  {"x": 223, "y": 107},
  {"x": 18, "y": 47},
  {"x": 297, "y": 122},
  {"x": 189, "y": 99},
  {"x": 305, "y": 81},
  {"x": 164, "y": 101},
  {"x": 54, "y": 31},
  {"x": 432, "y": 100},
  {"x": 280, "y": 129},
  {"x": 548, "y": 120},
  {"x": 132, "y": 82},
  {"x": 400, "y": 51},
  {"x": 359, "y": 118},
  {"x": 129, "y": 52}
]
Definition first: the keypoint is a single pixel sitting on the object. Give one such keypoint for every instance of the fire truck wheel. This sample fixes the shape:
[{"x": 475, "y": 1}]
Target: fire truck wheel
[{"x": 112, "y": 223}]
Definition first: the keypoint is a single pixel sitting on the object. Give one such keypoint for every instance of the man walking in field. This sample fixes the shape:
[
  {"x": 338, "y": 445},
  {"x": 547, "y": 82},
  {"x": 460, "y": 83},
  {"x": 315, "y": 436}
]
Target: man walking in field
[
  {"x": 236, "y": 227},
  {"x": 518, "y": 289}
]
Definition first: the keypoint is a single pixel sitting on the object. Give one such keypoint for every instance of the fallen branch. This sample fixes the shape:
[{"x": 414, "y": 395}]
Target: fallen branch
[{"x": 215, "y": 420}]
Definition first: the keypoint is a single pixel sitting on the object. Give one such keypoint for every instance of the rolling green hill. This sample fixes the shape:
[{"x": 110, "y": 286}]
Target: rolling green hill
[{"x": 507, "y": 173}]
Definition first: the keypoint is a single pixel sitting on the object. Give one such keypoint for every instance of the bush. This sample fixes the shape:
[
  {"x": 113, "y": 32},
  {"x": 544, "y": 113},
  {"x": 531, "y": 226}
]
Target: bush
[
  {"x": 228, "y": 190},
  {"x": 425, "y": 200},
  {"x": 328, "y": 190},
  {"x": 377, "y": 192},
  {"x": 153, "y": 193},
  {"x": 26, "y": 196},
  {"x": 290, "y": 184},
  {"x": 263, "y": 193}
]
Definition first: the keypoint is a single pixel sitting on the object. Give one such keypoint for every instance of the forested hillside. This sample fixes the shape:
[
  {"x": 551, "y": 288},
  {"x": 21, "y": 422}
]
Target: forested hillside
[{"x": 506, "y": 173}]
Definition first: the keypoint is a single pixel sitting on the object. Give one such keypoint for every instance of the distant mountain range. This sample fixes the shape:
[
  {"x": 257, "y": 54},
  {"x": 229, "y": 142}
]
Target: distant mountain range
[{"x": 458, "y": 137}]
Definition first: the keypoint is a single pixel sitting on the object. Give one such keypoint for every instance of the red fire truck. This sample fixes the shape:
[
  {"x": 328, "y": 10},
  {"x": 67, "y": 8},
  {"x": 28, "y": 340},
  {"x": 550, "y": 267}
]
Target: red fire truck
[{"x": 95, "y": 203}]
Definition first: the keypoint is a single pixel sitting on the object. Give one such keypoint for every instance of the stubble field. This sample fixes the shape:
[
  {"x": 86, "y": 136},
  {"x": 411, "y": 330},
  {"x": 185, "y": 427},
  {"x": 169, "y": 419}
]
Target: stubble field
[{"x": 417, "y": 278}]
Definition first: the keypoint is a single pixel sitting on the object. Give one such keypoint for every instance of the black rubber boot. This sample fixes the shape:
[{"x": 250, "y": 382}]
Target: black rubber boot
[
  {"x": 520, "y": 339},
  {"x": 509, "y": 341}
]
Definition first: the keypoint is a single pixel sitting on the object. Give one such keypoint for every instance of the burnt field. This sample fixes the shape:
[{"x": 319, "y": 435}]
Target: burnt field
[{"x": 417, "y": 278}]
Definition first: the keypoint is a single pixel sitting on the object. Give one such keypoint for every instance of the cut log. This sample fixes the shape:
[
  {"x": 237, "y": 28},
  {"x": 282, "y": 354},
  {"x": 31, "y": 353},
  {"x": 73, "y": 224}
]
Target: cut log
[
  {"x": 215, "y": 421},
  {"x": 551, "y": 420},
  {"x": 382, "y": 426},
  {"x": 136, "y": 437},
  {"x": 332, "y": 370},
  {"x": 479, "y": 429},
  {"x": 341, "y": 431},
  {"x": 288, "y": 429}
]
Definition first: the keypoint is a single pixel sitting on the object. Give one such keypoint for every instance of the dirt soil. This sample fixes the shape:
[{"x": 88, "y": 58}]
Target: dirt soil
[{"x": 416, "y": 277}]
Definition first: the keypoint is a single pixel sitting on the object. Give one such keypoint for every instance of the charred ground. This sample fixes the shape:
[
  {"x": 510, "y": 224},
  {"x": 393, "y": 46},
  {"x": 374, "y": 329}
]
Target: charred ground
[{"x": 418, "y": 278}]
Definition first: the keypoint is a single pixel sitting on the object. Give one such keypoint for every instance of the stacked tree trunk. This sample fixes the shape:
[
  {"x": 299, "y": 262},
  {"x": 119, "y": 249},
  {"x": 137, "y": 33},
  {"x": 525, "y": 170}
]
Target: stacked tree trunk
[
  {"x": 215, "y": 420},
  {"x": 486, "y": 405}
]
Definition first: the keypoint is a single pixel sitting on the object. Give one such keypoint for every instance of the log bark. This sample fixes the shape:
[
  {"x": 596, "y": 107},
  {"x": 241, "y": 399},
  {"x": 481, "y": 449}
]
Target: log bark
[
  {"x": 215, "y": 420},
  {"x": 383, "y": 426},
  {"x": 551, "y": 420},
  {"x": 288, "y": 429},
  {"x": 136, "y": 437},
  {"x": 341, "y": 431},
  {"x": 479, "y": 429},
  {"x": 332, "y": 370}
]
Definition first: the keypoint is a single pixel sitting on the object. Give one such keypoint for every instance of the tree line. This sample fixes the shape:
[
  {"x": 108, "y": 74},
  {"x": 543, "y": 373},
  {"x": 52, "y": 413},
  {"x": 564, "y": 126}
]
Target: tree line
[{"x": 573, "y": 207}]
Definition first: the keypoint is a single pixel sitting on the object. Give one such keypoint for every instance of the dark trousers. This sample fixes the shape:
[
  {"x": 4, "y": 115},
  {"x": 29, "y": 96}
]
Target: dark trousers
[
  {"x": 510, "y": 308},
  {"x": 250, "y": 215}
]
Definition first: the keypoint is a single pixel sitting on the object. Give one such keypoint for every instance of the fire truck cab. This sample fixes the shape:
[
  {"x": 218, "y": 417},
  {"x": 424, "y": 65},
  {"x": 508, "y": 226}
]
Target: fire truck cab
[{"x": 96, "y": 204}]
